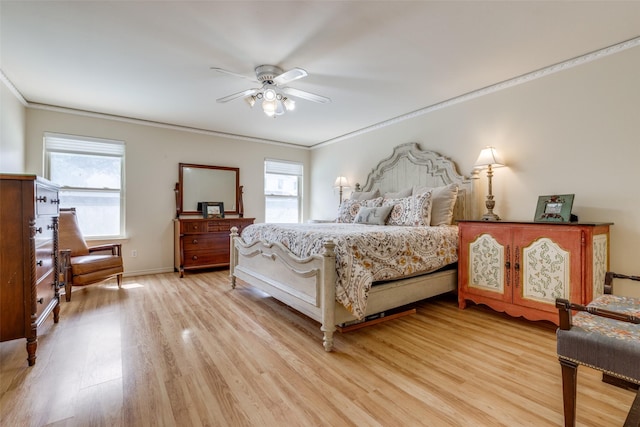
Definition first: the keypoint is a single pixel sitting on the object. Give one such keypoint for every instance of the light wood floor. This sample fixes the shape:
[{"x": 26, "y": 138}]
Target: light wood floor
[{"x": 165, "y": 351}]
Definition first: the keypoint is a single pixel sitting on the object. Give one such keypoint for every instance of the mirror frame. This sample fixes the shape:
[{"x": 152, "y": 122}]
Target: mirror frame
[{"x": 180, "y": 189}]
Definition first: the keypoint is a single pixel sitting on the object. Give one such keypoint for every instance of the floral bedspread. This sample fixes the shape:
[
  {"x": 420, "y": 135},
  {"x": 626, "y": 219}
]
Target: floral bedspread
[{"x": 365, "y": 253}]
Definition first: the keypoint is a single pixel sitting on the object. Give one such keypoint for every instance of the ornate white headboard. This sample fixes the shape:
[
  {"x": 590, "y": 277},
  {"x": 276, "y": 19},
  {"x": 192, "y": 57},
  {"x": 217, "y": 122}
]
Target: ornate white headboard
[{"x": 409, "y": 166}]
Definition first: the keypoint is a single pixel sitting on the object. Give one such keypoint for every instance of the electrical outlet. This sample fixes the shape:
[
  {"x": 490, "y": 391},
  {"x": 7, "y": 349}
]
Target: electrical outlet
[{"x": 134, "y": 253}]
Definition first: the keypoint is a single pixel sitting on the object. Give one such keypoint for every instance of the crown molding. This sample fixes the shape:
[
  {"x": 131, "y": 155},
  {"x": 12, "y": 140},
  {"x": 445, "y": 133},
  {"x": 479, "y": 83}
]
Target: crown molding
[
  {"x": 13, "y": 89},
  {"x": 506, "y": 84},
  {"x": 123, "y": 119}
]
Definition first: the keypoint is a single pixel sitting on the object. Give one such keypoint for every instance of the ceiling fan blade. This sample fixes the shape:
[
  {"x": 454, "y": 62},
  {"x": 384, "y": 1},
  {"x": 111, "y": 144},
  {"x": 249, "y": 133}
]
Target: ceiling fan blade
[
  {"x": 306, "y": 95},
  {"x": 231, "y": 73},
  {"x": 289, "y": 76},
  {"x": 242, "y": 94}
]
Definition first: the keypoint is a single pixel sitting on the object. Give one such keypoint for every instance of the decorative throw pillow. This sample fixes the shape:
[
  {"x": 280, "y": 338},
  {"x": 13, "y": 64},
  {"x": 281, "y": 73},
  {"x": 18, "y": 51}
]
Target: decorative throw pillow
[
  {"x": 375, "y": 216},
  {"x": 364, "y": 195},
  {"x": 421, "y": 209},
  {"x": 349, "y": 208},
  {"x": 401, "y": 211},
  {"x": 443, "y": 201},
  {"x": 413, "y": 211},
  {"x": 399, "y": 194}
]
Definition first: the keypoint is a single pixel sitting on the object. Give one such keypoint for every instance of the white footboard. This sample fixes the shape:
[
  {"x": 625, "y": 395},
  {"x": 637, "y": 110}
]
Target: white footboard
[{"x": 307, "y": 284}]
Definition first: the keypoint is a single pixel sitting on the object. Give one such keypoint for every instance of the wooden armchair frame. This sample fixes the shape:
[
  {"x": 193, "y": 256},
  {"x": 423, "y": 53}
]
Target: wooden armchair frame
[
  {"x": 67, "y": 261},
  {"x": 569, "y": 365}
]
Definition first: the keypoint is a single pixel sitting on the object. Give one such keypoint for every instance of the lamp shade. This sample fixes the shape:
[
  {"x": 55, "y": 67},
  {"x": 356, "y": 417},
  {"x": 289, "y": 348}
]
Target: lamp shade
[
  {"x": 489, "y": 157},
  {"x": 341, "y": 181}
]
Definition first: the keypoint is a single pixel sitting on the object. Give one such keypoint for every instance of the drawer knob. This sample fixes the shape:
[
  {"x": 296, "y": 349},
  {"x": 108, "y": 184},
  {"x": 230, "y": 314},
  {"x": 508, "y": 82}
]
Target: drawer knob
[
  {"x": 40, "y": 301},
  {"x": 40, "y": 263},
  {"x": 39, "y": 230},
  {"x": 42, "y": 199},
  {"x": 194, "y": 241},
  {"x": 195, "y": 257},
  {"x": 50, "y": 227},
  {"x": 55, "y": 201}
]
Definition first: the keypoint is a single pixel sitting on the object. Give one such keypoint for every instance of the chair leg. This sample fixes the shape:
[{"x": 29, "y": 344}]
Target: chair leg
[
  {"x": 119, "y": 279},
  {"x": 633, "y": 418},
  {"x": 569, "y": 387}
]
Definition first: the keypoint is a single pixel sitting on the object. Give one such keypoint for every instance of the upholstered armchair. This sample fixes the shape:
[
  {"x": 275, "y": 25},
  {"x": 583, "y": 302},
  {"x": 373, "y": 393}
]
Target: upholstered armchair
[
  {"x": 83, "y": 265},
  {"x": 604, "y": 335}
]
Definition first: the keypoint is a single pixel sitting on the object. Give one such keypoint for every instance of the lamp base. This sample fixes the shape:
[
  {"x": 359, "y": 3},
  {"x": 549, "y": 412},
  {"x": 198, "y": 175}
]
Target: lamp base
[{"x": 490, "y": 216}]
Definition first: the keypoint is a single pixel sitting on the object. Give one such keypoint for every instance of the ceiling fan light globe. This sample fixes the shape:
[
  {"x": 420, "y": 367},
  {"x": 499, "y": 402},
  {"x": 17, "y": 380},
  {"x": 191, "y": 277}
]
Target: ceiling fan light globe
[
  {"x": 269, "y": 107},
  {"x": 270, "y": 95},
  {"x": 251, "y": 100},
  {"x": 279, "y": 108},
  {"x": 289, "y": 104}
]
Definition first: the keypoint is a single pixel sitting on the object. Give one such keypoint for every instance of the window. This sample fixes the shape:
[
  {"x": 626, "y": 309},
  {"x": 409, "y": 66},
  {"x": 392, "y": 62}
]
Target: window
[
  {"x": 90, "y": 172},
  {"x": 282, "y": 191}
]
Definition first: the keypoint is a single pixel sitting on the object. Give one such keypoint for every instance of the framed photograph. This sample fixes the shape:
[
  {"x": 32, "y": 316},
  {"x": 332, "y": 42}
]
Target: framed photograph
[
  {"x": 556, "y": 208},
  {"x": 212, "y": 209}
]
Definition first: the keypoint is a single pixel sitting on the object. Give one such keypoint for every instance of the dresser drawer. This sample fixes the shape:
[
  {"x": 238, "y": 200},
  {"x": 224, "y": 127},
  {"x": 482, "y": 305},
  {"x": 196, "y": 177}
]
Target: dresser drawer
[
  {"x": 46, "y": 201},
  {"x": 193, "y": 226},
  {"x": 204, "y": 258},
  {"x": 44, "y": 259},
  {"x": 195, "y": 242},
  {"x": 220, "y": 225},
  {"x": 45, "y": 292}
]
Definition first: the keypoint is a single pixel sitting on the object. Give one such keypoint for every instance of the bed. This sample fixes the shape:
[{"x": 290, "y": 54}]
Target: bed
[{"x": 311, "y": 278}]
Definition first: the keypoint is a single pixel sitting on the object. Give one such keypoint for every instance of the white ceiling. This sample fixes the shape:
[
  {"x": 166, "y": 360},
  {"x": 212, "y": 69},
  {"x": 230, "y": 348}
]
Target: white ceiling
[{"x": 376, "y": 60}]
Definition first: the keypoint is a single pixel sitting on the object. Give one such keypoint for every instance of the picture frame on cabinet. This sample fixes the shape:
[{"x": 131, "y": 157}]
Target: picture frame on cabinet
[
  {"x": 212, "y": 209},
  {"x": 554, "y": 208}
]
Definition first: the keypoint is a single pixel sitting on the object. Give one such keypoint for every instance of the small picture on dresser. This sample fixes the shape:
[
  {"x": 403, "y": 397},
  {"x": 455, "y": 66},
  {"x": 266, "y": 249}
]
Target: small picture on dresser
[
  {"x": 212, "y": 209},
  {"x": 555, "y": 208}
]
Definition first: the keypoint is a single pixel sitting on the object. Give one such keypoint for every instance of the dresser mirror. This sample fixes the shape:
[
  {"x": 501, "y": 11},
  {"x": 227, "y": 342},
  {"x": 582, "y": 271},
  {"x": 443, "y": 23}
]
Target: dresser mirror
[{"x": 203, "y": 183}]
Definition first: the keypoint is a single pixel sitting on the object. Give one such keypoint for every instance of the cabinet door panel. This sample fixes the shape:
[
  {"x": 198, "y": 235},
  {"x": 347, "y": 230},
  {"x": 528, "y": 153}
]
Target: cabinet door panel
[
  {"x": 547, "y": 263},
  {"x": 488, "y": 252}
]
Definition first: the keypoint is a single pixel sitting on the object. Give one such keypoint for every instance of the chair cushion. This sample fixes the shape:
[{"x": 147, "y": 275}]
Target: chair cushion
[
  {"x": 70, "y": 236},
  {"x": 604, "y": 343},
  {"x": 93, "y": 268}
]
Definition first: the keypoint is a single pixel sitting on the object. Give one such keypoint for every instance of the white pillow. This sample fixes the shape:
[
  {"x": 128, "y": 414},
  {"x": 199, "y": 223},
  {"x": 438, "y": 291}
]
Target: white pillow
[
  {"x": 399, "y": 194},
  {"x": 443, "y": 201},
  {"x": 375, "y": 216},
  {"x": 364, "y": 195}
]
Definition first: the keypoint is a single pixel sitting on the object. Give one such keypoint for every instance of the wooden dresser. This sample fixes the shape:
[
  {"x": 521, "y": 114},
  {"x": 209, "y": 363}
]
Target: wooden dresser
[
  {"x": 28, "y": 257},
  {"x": 204, "y": 243},
  {"x": 521, "y": 267}
]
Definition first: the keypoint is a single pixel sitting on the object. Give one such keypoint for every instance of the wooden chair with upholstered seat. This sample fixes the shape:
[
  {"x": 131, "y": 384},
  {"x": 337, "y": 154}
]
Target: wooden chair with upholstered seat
[
  {"x": 83, "y": 265},
  {"x": 604, "y": 335}
]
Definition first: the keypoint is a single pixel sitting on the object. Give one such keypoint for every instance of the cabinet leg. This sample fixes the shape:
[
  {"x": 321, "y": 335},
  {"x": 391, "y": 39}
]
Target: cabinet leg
[
  {"x": 56, "y": 312},
  {"x": 32, "y": 344}
]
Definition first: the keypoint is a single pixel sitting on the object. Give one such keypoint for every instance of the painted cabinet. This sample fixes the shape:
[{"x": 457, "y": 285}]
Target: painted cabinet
[{"x": 520, "y": 268}]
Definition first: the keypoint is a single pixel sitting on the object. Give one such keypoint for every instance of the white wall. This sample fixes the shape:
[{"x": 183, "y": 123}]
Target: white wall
[
  {"x": 151, "y": 171},
  {"x": 12, "y": 132},
  {"x": 575, "y": 131}
]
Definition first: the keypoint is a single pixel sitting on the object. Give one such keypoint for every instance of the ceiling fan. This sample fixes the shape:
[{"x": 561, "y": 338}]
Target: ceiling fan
[{"x": 275, "y": 97}]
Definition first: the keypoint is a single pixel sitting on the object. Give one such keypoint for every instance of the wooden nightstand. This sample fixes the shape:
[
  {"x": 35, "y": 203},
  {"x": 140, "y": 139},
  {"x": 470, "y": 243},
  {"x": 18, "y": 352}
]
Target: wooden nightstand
[{"x": 520, "y": 268}]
